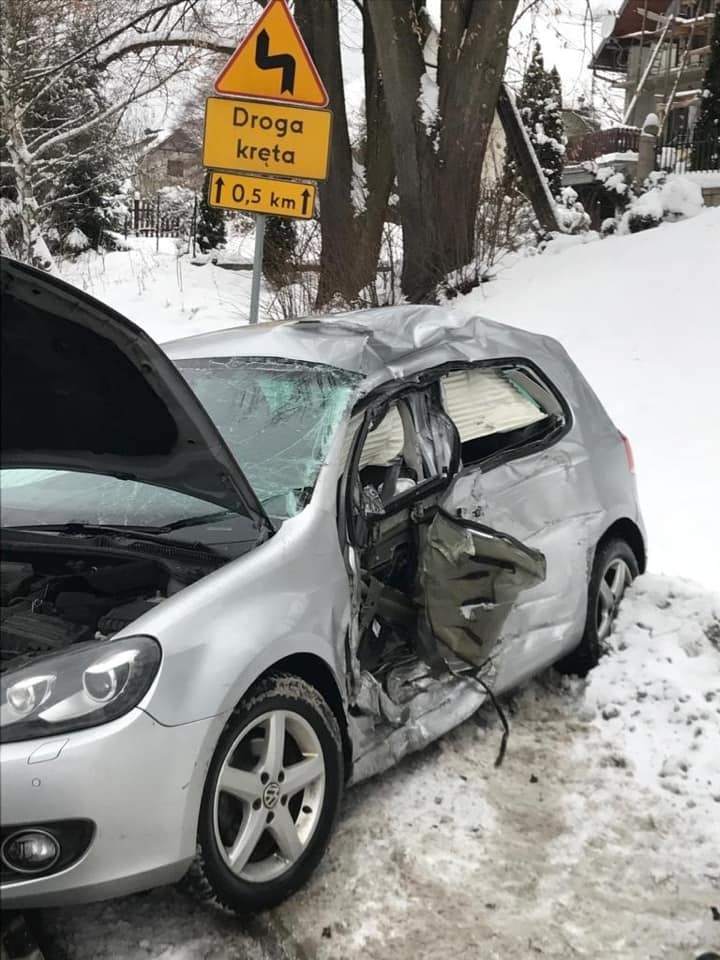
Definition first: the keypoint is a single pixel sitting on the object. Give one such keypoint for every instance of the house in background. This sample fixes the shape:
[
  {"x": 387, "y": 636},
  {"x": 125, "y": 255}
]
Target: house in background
[
  {"x": 657, "y": 53},
  {"x": 167, "y": 158}
]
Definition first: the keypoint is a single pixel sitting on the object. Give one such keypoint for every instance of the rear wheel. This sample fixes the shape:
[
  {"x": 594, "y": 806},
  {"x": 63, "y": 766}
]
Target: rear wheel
[
  {"x": 614, "y": 569},
  {"x": 271, "y": 797}
]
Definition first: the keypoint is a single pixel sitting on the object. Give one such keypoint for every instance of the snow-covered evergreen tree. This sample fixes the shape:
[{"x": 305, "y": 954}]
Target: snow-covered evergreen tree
[
  {"x": 210, "y": 228},
  {"x": 706, "y": 136},
  {"x": 540, "y": 104}
]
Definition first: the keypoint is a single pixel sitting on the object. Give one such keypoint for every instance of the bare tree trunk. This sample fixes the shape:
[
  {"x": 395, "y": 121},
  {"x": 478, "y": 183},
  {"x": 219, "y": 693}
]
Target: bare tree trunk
[
  {"x": 467, "y": 100},
  {"x": 379, "y": 164},
  {"x": 396, "y": 28},
  {"x": 439, "y": 169},
  {"x": 351, "y": 240},
  {"x": 318, "y": 23}
]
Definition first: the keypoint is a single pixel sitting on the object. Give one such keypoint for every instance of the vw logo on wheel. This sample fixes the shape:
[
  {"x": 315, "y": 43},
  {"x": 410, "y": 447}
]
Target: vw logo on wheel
[{"x": 271, "y": 794}]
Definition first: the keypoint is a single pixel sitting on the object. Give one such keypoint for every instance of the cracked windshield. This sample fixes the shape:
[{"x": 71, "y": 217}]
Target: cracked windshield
[{"x": 278, "y": 418}]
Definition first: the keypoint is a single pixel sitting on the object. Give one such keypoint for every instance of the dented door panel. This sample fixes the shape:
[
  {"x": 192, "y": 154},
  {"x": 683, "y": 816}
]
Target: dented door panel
[
  {"x": 469, "y": 578},
  {"x": 548, "y": 502}
]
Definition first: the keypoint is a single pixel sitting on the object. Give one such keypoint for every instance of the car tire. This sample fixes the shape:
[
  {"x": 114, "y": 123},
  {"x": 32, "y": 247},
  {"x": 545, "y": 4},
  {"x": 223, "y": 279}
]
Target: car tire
[
  {"x": 271, "y": 798},
  {"x": 614, "y": 568}
]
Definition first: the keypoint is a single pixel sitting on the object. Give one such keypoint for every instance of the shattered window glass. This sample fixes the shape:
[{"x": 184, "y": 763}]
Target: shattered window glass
[{"x": 278, "y": 417}]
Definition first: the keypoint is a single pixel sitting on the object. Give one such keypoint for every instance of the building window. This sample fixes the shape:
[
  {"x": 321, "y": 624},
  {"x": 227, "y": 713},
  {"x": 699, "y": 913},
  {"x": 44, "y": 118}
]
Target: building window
[{"x": 175, "y": 168}]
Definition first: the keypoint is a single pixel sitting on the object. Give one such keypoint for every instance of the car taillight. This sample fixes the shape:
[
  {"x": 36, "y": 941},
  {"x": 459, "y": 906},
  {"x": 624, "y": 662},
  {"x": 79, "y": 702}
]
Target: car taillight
[{"x": 628, "y": 452}]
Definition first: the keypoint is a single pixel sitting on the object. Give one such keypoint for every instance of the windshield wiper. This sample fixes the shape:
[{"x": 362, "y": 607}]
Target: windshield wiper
[
  {"x": 75, "y": 528},
  {"x": 196, "y": 521}
]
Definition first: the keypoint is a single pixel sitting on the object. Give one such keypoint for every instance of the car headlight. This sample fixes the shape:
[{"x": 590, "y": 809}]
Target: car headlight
[{"x": 89, "y": 684}]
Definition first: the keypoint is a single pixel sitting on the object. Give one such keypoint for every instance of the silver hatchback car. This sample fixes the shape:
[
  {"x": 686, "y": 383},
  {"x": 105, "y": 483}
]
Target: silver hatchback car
[{"x": 252, "y": 568}]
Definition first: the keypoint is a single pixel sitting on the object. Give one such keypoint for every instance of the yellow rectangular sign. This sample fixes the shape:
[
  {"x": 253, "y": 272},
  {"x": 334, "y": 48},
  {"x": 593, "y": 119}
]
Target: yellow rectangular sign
[
  {"x": 281, "y": 198},
  {"x": 266, "y": 138}
]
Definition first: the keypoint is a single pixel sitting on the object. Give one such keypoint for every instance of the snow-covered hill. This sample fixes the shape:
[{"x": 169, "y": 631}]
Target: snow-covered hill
[{"x": 640, "y": 315}]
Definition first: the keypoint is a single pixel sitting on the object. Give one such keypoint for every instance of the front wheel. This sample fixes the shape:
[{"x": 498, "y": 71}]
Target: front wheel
[
  {"x": 271, "y": 797},
  {"x": 614, "y": 569}
]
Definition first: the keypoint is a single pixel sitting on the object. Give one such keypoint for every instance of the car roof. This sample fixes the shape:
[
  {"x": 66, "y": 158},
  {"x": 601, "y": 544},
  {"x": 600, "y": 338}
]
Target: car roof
[{"x": 379, "y": 344}]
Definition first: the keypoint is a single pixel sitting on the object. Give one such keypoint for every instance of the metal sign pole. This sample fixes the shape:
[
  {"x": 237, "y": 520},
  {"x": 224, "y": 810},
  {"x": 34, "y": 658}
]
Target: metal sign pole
[{"x": 257, "y": 266}]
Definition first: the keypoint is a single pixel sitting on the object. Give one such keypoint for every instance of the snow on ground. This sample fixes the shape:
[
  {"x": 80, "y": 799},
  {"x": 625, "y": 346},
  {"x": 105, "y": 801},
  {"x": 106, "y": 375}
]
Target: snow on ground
[
  {"x": 598, "y": 837},
  {"x": 639, "y": 315},
  {"x": 165, "y": 294}
]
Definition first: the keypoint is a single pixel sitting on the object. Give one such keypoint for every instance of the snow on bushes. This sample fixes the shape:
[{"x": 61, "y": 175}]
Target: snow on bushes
[
  {"x": 662, "y": 200},
  {"x": 612, "y": 180},
  {"x": 571, "y": 215},
  {"x": 640, "y": 207},
  {"x": 76, "y": 241}
]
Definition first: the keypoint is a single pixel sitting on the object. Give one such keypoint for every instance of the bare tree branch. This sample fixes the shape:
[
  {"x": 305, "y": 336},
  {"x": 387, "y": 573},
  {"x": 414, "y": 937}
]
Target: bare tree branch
[
  {"x": 61, "y": 138},
  {"x": 158, "y": 41},
  {"x": 108, "y": 38}
]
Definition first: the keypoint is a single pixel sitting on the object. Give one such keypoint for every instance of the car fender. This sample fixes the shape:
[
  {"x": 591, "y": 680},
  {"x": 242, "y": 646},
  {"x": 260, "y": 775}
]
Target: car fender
[{"x": 288, "y": 596}]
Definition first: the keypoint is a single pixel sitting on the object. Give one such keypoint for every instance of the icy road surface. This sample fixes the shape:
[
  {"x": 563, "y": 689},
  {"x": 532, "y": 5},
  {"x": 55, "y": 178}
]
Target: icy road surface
[{"x": 598, "y": 837}]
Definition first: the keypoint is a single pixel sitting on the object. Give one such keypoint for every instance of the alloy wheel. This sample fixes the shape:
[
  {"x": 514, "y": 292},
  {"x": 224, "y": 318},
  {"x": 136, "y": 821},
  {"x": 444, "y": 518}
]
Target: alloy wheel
[
  {"x": 269, "y": 796},
  {"x": 615, "y": 580}
]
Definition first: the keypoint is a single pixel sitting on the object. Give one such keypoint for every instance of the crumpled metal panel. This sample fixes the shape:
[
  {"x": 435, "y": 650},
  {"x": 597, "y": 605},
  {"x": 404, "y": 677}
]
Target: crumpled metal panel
[
  {"x": 383, "y": 344},
  {"x": 550, "y": 502},
  {"x": 470, "y": 576},
  {"x": 433, "y": 713}
]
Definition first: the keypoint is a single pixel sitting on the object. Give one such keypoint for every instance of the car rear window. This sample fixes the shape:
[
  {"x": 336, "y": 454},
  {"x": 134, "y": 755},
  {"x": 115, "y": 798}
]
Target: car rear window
[{"x": 498, "y": 407}]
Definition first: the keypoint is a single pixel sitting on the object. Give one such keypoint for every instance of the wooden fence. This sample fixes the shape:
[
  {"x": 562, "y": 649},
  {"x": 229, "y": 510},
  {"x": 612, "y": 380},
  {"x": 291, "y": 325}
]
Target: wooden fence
[{"x": 147, "y": 218}]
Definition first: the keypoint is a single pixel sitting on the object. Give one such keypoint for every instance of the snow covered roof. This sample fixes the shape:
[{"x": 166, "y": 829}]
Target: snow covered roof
[{"x": 171, "y": 139}]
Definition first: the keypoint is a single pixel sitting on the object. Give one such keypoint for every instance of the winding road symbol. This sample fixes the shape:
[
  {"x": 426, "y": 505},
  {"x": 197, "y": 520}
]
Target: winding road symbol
[
  {"x": 278, "y": 61},
  {"x": 273, "y": 62}
]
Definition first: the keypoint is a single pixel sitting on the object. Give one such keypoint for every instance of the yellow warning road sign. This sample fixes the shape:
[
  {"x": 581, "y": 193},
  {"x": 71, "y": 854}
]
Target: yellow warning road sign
[
  {"x": 266, "y": 138},
  {"x": 281, "y": 198},
  {"x": 273, "y": 63}
]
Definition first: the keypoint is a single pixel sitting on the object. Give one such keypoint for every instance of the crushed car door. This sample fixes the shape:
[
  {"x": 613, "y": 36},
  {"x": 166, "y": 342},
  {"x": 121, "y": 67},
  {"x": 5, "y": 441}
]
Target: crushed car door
[
  {"x": 519, "y": 475},
  {"x": 469, "y": 577},
  {"x": 463, "y": 577}
]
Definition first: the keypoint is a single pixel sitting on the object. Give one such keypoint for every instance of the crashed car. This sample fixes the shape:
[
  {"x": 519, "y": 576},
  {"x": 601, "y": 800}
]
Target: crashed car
[{"x": 249, "y": 569}]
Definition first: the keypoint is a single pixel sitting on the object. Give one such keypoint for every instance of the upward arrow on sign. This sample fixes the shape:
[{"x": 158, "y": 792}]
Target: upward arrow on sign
[{"x": 273, "y": 63}]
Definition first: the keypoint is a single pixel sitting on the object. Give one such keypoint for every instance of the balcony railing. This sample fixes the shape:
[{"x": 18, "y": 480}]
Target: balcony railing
[
  {"x": 682, "y": 153},
  {"x": 590, "y": 146}
]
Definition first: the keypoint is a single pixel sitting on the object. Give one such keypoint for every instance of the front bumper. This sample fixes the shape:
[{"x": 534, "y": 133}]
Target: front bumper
[{"x": 139, "y": 782}]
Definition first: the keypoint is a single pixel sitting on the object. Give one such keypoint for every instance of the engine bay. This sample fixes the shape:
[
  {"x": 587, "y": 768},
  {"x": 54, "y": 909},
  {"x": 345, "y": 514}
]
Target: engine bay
[{"x": 50, "y": 601}]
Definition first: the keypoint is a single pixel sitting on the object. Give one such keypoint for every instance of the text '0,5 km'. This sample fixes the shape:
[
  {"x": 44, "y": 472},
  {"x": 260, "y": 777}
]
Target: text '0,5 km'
[
  {"x": 282, "y": 198},
  {"x": 244, "y": 135}
]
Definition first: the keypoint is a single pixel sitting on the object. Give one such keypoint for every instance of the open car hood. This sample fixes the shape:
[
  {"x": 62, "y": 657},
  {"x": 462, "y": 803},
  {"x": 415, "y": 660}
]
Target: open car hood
[{"x": 84, "y": 389}]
